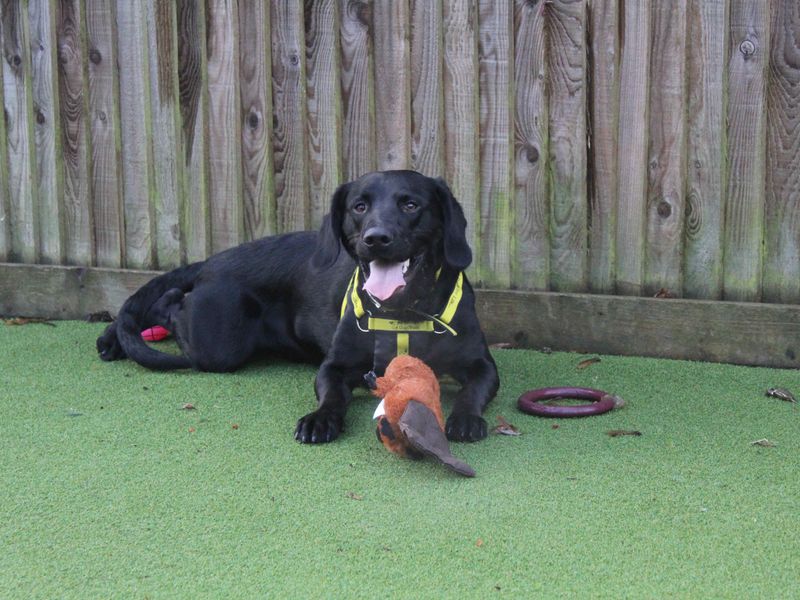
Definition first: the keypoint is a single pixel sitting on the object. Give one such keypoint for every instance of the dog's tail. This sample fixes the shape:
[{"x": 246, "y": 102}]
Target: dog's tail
[{"x": 132, "y": 319}]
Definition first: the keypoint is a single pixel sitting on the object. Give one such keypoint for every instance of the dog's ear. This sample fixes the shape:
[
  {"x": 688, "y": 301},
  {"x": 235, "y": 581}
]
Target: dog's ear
[
  {"x": 329, "y": 241},
  {"x": 456, "y": 249}
]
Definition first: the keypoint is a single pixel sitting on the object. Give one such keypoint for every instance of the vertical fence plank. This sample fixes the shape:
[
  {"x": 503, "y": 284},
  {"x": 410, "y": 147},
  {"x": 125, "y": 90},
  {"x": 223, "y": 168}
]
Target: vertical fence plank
[
  {"x": 168, "y": 173},
  {"x": 78, "y": 214},
  {"x": 392, "y": 100},
  {"x": 47, "y": 130},
  {"x": 707, "y": 44},
  {"x": 495, "y": 80},
  {"x": 744, "y": 212},
  {"x": 106, "y": 176},
  {"x": 604, "y": 113},
  {"x": 135, "y": 131},
  {"x": 667, "y": 150},
  {"x": 461, "y": 113},
  {"x": 358, "y": 134},
  {"x": 567, "y": 68},
  {"x": 23, "y": 201},
  {"x": 289, "y": 114},
  {"x": 193, "y": 86},
  {"x": 256, "y": 96},
  {"x": 532, "y": 262},
  {"x": 224, "y": 135},
  {"x": 323, "y": 97},
  {"x": 5, "y": 209},
  {"x": 427, "y": 94},
  {"x": 632, "y": 145},
  {"x": 782, "y": 252}
]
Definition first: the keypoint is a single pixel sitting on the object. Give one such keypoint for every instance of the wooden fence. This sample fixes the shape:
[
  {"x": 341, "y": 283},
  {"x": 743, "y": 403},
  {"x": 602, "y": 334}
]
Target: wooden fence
[{"x": 597, "y": 146}]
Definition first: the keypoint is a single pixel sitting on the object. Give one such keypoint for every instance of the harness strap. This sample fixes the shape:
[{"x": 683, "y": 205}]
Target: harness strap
[{"x": 392, "y": 336}]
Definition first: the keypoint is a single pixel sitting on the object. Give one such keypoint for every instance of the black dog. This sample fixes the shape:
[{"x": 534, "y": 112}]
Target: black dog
[{"x": 397, "y": 288}]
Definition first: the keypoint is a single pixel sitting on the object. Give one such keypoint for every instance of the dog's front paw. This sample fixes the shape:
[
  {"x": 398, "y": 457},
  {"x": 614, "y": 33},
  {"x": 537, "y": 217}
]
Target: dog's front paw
[
  {"x": 461, "y": 427},
  {"x": 108, "y": 346},
  {"x": 319, "y": 427}
]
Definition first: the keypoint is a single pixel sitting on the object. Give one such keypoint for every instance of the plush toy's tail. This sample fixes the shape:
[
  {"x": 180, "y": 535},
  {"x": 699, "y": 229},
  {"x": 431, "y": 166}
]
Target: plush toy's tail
[{"x": 422, "y": 430}]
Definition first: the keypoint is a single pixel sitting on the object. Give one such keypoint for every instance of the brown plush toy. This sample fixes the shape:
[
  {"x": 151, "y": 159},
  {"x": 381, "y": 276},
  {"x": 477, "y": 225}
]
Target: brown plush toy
[{"x": 410, "y": 421}]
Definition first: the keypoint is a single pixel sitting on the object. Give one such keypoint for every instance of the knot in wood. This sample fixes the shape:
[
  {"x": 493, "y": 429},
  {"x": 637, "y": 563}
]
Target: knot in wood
[
  {"x": 252, "y": 120},
  {"x": 531, "y": 153},
  {"x": 748, "y": 48},
  {"x": 15, "y": 60},
  {"x": 664, "y": 209},
  {"x": 95, "y": 56}
]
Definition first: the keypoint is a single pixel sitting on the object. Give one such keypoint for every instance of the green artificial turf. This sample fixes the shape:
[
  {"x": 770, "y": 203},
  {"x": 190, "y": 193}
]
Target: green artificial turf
[{"x": 109, "y": 489}]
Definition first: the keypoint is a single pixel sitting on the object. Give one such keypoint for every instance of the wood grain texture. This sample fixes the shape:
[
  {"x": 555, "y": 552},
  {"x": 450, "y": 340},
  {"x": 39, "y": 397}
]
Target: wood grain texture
[
  {"x": 289, "y": 115},
  {"x": 5, "y": 209},
  {"x": 392, "y": 84},
  {"x": 743, "y": 333},
  {"x": 104, "y": 123},
  {"x": 496, "y": 143},
  {"x": 744, "y": 211},
  {"x": 705, "y": 175},
  {"x": 47, "y": 130},
  {"x": 76, "y": 151},
  {"x": 531, "y": 265},
  {"x": 667, "y": 150},
  {"x": 23, "y": 198},
  {"x": 358, "y": 110},
  {"x": 632, "y": 145},
  {"x": 782, "y": 210},
  {"x": 603, "y": 111},
  {"x": 566, "y": 23},
  {"x": 461, "y": 114},
  {"x": 427, "y": 88},
  {"x": 224, "y": 125},
  {"x": 324, "y": 105},
  {"x": 168, "y": 168},
  {"x": 260, "y": 211},
  {"x": 135, "y": 135},
  {"x": 193, "y": 90}
]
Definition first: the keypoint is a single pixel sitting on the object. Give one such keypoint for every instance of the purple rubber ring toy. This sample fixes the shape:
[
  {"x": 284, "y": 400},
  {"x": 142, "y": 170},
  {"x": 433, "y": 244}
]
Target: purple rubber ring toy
[{"x": 530, "y": 402}]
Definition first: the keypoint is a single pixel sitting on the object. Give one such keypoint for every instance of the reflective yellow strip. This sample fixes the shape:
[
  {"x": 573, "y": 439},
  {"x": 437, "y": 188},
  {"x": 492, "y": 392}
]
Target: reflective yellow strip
[
  {"x": 376, "y": 324},
  {"x": 402, "y": 343},
  {"x": 357, "y": 306},
  {"x": 347, "y": 293},
  {"x": 452, "y": 304}
]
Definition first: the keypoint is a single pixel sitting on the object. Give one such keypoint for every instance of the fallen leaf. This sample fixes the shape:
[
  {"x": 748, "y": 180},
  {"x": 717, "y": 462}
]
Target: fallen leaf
[
  {"x": 587, "y": 362},
  {"x": 235, "y": 426},
  {"x": 504, "y": 427},
  {"x": 479, "y": 543},
  {"x": 620, "y": 432},
  {"x": 764, "y": 443},
  {"x": 782, "y": 394},
  {"x": 354, "y": 496},
  {"x": 556, "y": 426},
  {"x": 192, "y": 430},
  {"x": 188, "y": 406},
  {"x": 663, "y": 293},
  {"x": 27, "y": 321}
]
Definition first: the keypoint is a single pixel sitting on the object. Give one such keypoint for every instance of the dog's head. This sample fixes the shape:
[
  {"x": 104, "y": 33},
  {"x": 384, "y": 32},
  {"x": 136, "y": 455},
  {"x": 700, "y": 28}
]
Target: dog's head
[{"x": 401, "y": 227}]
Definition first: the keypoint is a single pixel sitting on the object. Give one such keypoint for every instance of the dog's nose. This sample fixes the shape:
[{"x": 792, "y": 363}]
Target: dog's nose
[{"x": 377, "y": 237}]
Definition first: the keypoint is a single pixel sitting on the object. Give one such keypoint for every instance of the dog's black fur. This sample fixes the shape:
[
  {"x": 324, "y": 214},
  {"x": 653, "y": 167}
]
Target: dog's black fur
[{"x": 283, "y": 295}]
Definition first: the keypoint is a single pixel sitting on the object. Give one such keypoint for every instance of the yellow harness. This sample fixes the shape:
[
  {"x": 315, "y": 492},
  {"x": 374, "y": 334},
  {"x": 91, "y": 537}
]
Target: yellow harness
[{"x": 402, "y": 329}]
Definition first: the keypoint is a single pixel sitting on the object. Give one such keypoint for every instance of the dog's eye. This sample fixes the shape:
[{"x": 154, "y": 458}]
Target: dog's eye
[
  {"x": 360, "y": 207},
  {"x": 409, "y": 205}
]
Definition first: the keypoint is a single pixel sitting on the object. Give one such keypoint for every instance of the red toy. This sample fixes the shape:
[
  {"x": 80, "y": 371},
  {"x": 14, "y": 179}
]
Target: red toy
[
  {"x": 155, "y": 334},
  {"x": 410, "y": 421}
]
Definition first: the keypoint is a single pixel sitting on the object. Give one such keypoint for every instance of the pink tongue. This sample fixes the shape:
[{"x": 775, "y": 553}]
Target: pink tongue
[{"x": 384, "y": 279}]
